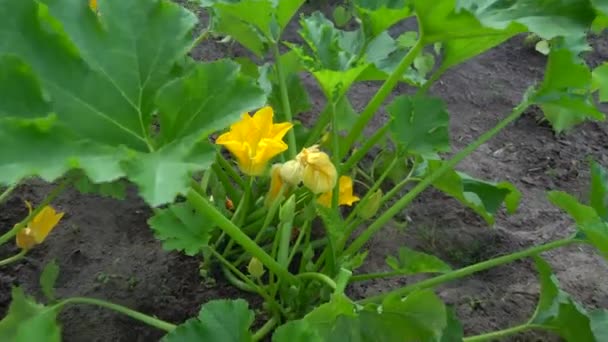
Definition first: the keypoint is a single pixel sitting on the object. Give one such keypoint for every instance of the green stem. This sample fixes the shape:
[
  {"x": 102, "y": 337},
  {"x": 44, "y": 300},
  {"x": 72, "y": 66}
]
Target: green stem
[
  {"x": 371, "y": 276},
  {"x": 299, "y": 239},
  {"x": 322, "y": 121},
  {"x": 320, "y": 277},
  {"x": 51, "y": 196},
  {"x": 232, "y": 193},
  {"x": 265, "y": 329},
  {"x": 152, "y": 321},
  {"x": 465, "y": 271},
  {"x": 498, "y": 334},
  {"x": 291, "y": 137},
  {"x": 7, "y": 192},
  {"x": 362, "y": 151},
  {"x": 382, "y": 93},
  {"x": 201, "y": 204},
  {"x": 13, "y": 258},
  {"x": 335, "y": 155},
  {"x": 224, "y": 164},
  {"x": 383, "y": 220}
]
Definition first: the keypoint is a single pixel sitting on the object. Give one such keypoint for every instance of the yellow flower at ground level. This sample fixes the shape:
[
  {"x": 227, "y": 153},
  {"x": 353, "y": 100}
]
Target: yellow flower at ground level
[
  {"x": 254, "y": 140},
  {"x": 318, "y": 173},
  {"x": 345, "y": 196},
  {"x": 38, "y": 228}
]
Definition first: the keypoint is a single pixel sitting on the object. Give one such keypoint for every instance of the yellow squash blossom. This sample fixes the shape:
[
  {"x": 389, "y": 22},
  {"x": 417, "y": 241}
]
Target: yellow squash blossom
[
  {"x": 276, "y": 184},
  {"x": 254, "y": 140},
  {"x": 93, "y": 4},
  {"x": 38, "y": 228},
  {"x": 345, "y": 197},
  {"x": 318, "y": 173}
]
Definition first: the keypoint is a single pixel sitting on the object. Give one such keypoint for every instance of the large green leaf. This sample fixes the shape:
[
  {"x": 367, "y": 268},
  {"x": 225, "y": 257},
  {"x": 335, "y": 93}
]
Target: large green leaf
[
  {"x": 218, "y": 320},
  {"x": 588, "y": 222},
  {"x": 20, "y": 90},
  {"x": 420, "y": 124},
  {"x": 41, "y": 147},
  {"x": 296, "y": 331},
  {"x": 378, "y": 16},
  {"x": 410, "y": 261},
  {"x": 558, "y": 312},
  {"x": 421, "y": 316},
  {"x": 485, "y": 198},
  {"x": 104, "y": 75},
  {"x": 600, "y": 81},
  {"x": 598, "y": 196},
  {"x": 565, "y": 95},
  {"x": 195, "y": 104},
  {"x": 181, "y": 228},
  {"x": 599, "y": 324},
  {"x": 469, "y": 27},
  {"x": 253, "y": 23},
  {"x": 28, "y": 321}
]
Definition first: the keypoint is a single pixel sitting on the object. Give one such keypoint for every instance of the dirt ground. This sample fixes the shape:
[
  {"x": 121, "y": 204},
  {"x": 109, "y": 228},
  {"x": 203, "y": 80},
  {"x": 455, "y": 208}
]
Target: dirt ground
[{"x": 106, "y": 250}]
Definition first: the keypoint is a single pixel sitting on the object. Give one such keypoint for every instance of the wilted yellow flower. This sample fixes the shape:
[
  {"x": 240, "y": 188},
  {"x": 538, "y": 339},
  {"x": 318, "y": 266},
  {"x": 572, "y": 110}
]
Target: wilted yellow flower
[
  {"x": 291, "y": 172},
  {"x": 254, "y": 140},
  {"x": 318, "y": 173},
  {"x": 276, "y": 184},
  {"x": 38, "y": 228},
  {"x": 345, "y": 197}
]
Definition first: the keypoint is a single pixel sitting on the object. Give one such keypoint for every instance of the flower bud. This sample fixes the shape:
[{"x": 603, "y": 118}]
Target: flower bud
[
  {"x": 370, "y": 206},
  {"x": 319, "y": 174},
  {"x": 255, "y": 268},
  {"x": 276, "y": 185},
  {"x": 291, "y": 172}
]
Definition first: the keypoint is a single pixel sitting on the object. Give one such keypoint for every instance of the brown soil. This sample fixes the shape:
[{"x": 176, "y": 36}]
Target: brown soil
[{"x": 106, "y": 250}]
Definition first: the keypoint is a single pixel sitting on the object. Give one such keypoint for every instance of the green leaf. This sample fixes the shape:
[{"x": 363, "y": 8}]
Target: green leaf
[
  {"x": 296, "y": 331},
  {"x": 421, "y": 316},
  {"x": 253, "y": 23},
  {"x": 599, "y": 190},
  {"x": 116, "y": 189},
  {"x": 117, "y": 61},
  {"x": 181, "y": 228},
  {"x": 557, "y": 311},
  {"x": 599, "y": 324},
  {"x": 600, "y": 81},
  {"x": 420, "y": 124},
  {"x": 28, "y": 321},
  {"x": 44, "y": 148},
  {"x": 485, "y": 198},
  {"x": 332, "y": 222},
  {"x": 453, "y": 330},
  {"x": 48, "y": 277},
  {"x": 565, "y": 94},
  {"x": 195, "y": 104},
  {"x": 412, "y": 262},
  {"x": 163, "y": 174},
  {"x": 331, "y": 55},
  {"x": 218, "y": 320},
  {"x": 20, "y": 90},
  {"x": 461, "y": 34},
  {"x": 377, "y": 16},
  {"x": 588, "y": 222},
  {"x": 547, "y": 19}
]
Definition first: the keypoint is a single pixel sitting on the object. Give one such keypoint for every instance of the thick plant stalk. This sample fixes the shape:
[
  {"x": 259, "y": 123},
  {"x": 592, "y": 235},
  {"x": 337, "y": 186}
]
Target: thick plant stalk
[
  {"x": 465, "y": 271},
  {"x": 426, "y": 182},
  {"x": 152, "y": 321},
  {"x": 202, "y": 205},
  {"x": 382, "y": 93},
  {"x": 291, "y": 136}
]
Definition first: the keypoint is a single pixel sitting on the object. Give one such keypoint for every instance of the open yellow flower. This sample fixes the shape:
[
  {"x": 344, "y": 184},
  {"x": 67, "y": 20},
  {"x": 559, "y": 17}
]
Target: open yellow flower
[
  {"x": 318, "y": 173},
  {"x": 345, "y": 197},
  {"x": 38, "y": 228},
  {"x": 254, "y": 140}
]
